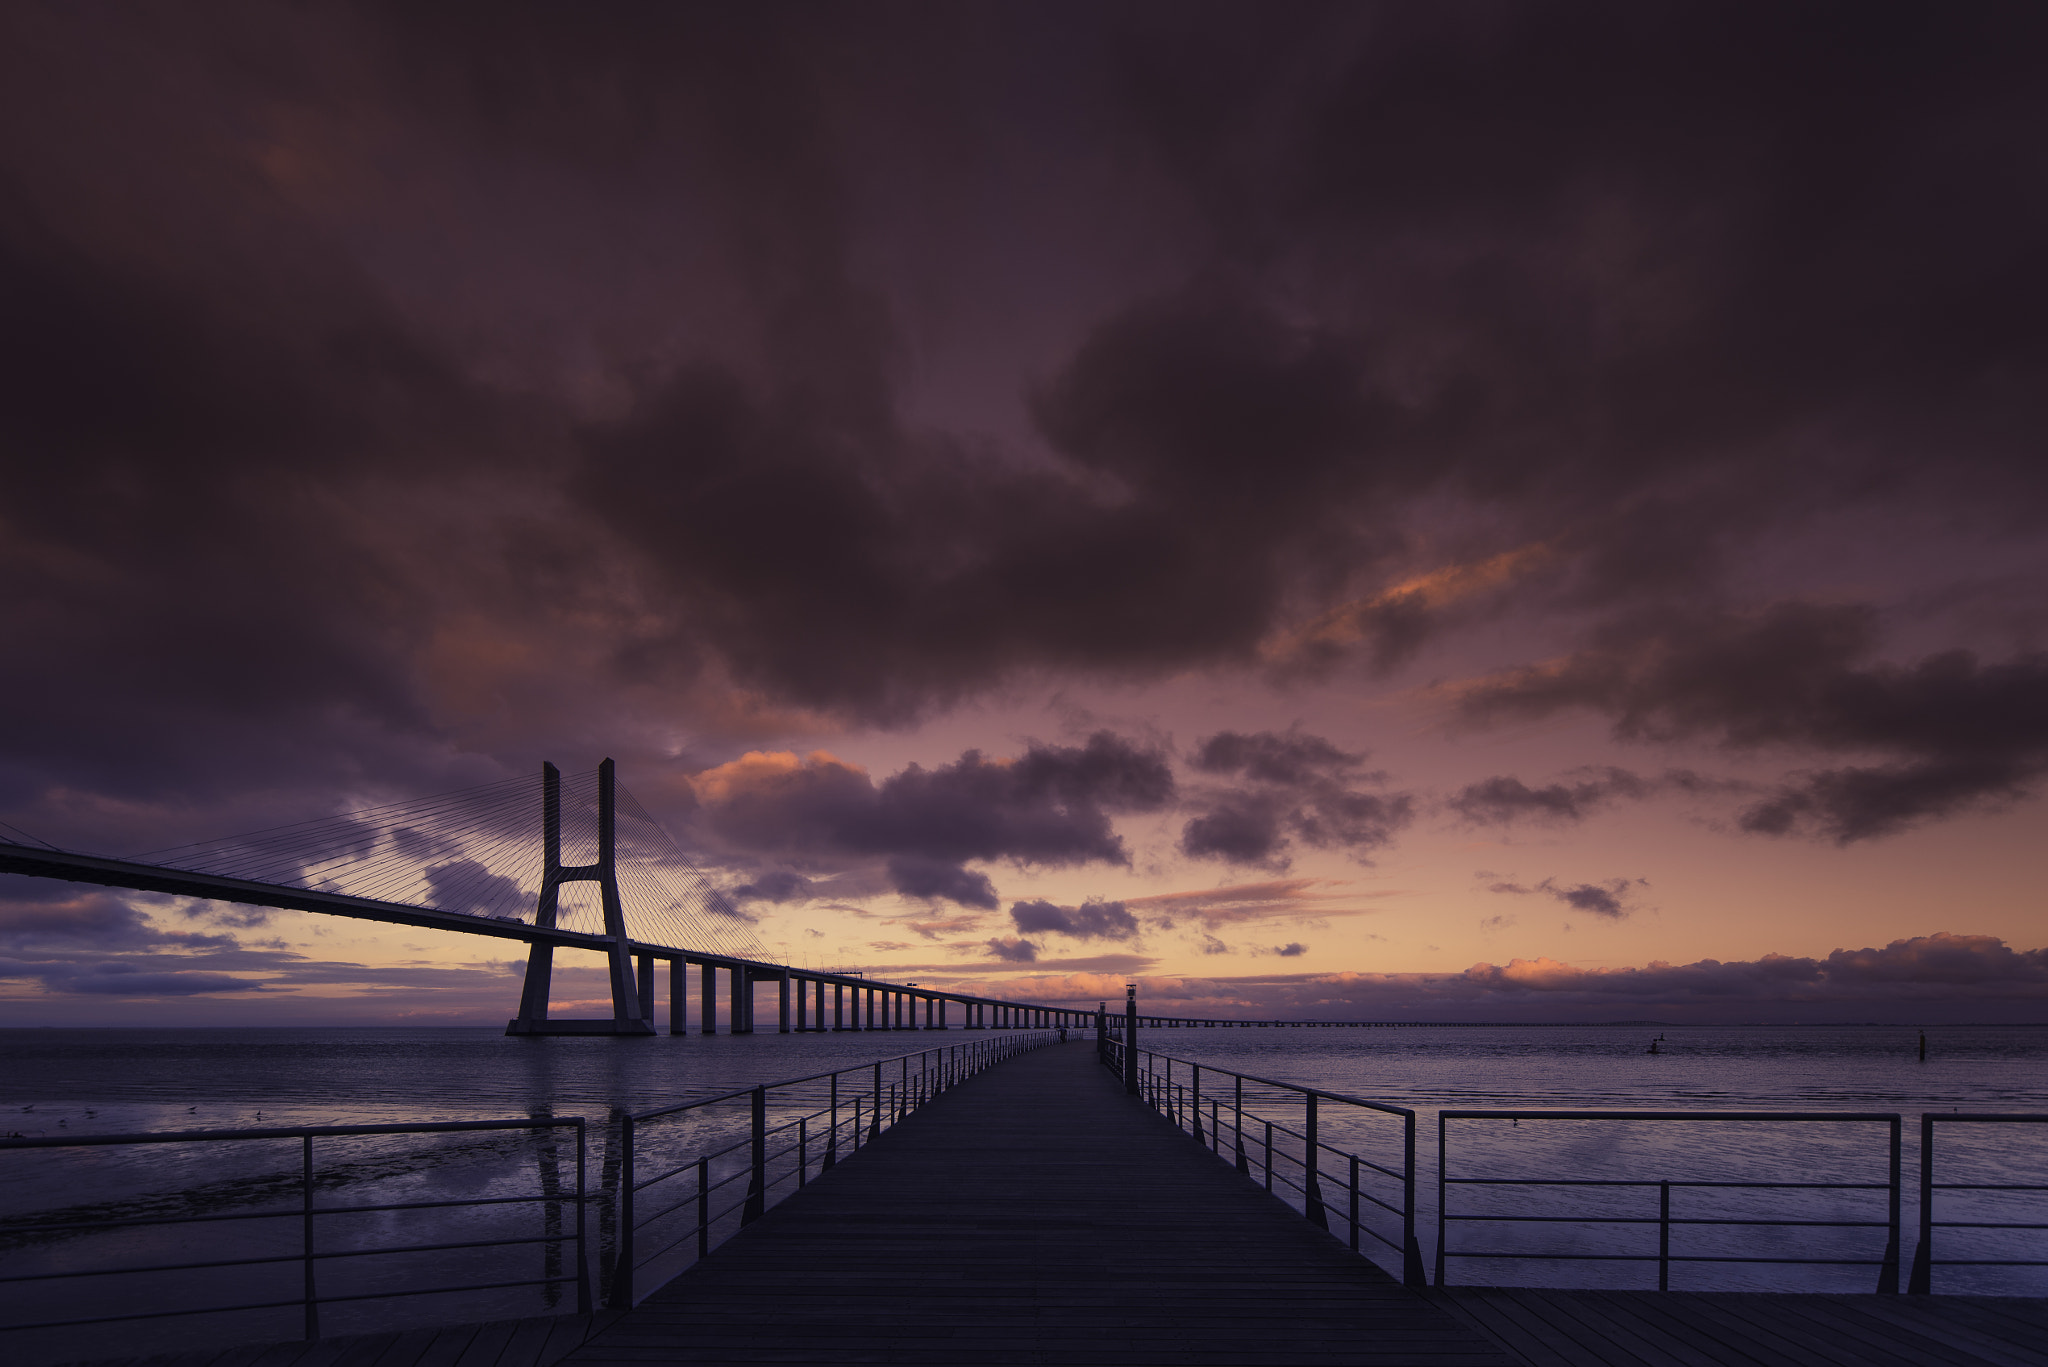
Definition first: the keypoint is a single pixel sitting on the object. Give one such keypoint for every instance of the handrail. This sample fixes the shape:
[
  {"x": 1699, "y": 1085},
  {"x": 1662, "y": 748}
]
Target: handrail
[
  {"x": 1887, "y": 1265},
  {"x": 1181, "y": 1104},
  {"x": 879, "y": 1103},
  {"x": 309, "y": 1255},
  {"x": 1924, "y": 1262}
]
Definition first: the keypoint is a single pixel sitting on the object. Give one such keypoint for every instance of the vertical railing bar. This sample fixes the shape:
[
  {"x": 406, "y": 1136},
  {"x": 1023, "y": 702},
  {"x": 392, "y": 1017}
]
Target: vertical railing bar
[
  {"x": 308, "y": 1290},
  {"x": 1440, "y": 1140},
  {"x": 1663, "y": 1236},
  {"x": 582, "y": 1198},
  {"x": 703, "y": 1208},
  {"x": 1354, "y": 1203},
  {"x": 622, "y": 1271},
  {"x": 1888, "y": 1273},
  {"x": 1922, "y": 1282}
]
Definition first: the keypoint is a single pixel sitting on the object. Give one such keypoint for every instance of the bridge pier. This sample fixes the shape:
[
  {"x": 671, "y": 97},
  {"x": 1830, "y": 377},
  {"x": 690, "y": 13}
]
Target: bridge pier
[{"x": 632, "y": 1002}]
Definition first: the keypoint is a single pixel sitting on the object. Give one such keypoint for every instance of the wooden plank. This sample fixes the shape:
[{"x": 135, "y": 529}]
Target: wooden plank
[
  {"x": 447, "y": 1346},
  {"x": 523, "y": 1346},
  {"x": 1758, "y": 1325},
  {"x": 1954, "y": 1324},
  {"x": 1924, "y": 1345},
  {"x": 485, "y": 1345},
  {"x": 1492, "y": 1313},
  {"x": 405, "y": 1348},
  {"x": 1661, "y": 1340}
]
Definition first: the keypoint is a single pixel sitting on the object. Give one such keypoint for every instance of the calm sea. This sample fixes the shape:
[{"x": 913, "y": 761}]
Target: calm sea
[{"x": 82, "y": 1082}]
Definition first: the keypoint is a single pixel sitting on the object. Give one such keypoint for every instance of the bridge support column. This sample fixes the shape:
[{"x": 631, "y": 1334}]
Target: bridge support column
[
  {"x": 740, "y": 1015},
  {"x": 707, "y": 1007},
  {"x": 632, "y": 1001},
  {"x": 782, "y": 1009},
  {"x": 678, "y": 996},
  {"x": 838, "y": 1008},
  {"x": 645, "y": 980}
]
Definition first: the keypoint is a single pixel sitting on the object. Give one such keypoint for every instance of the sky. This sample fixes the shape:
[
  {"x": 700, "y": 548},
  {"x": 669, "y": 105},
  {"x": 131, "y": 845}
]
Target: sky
[{"x": 1462, "y": 511}]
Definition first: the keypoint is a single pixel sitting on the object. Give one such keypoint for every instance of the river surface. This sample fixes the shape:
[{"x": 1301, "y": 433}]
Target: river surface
[{"x": 75, "y": 1083}]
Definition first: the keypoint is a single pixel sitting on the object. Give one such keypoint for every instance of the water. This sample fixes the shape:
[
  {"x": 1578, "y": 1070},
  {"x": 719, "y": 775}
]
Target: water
[{"x": 77, "y": 1082}]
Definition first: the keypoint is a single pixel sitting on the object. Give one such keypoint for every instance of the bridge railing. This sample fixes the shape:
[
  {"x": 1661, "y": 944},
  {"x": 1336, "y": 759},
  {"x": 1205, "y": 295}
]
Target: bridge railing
[
  {"x": 1307, "y": 1155},
  {"x": 315, "y": 1254},
  {"x": 1993, "y": 1236},
  {"x": 1596, "y": 1206},
  {"x": 693, "y": 1174}
]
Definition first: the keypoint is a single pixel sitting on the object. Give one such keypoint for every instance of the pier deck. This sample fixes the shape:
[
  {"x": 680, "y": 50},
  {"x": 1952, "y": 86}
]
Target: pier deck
[{"x": 1036, "y": 1214}]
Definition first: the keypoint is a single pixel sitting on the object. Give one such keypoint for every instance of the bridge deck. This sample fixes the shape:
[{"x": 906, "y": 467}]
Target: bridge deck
[{"x": 1035, "y": 1214}]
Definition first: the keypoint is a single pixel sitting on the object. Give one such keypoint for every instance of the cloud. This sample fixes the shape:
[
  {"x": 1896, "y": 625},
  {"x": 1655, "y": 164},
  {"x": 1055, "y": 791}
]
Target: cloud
[
  {"x": 1050, "y": 806},
  {"x": 1955, "y": 733},
  {"x": 1302, "y": 789},
  {"x": 1089, "y": 921},
  {"x": 1607, "y": 900},
  {"x": 1291, "y": 950},
  {"x": 1504, "y": 799},
  {"x": 779, "y": 885},
  {"x": 1300, "y": 900},
  {"x": 1942, "y": 976},
  {"x": 1016, "y": 951}
]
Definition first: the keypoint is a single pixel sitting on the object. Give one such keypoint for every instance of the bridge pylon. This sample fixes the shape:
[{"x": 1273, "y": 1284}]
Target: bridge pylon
[{"x": 627, "y": 1016}]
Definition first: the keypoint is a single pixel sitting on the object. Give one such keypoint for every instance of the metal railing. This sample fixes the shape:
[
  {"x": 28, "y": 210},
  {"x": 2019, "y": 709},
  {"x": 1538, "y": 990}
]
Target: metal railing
[
  {"x": 1924, "y": 1261},
  {"x": 1294, "y": 1159},
  {"x": 308, "y": 1215},
  {"x": 775, "y": 1149},
  {"x": 1664, "y": 1220}
]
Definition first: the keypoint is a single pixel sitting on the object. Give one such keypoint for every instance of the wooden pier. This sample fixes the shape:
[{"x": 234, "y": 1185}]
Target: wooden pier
[{"x": 1037, "y": 1214}]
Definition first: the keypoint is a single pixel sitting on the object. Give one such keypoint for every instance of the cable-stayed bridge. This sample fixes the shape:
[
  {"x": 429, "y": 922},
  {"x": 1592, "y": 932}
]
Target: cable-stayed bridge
[{"x": 557, "y": 862}]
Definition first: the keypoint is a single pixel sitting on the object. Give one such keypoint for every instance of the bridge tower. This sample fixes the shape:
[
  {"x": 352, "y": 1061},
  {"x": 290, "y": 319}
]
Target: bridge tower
[{"x": 627, "y": 1017}]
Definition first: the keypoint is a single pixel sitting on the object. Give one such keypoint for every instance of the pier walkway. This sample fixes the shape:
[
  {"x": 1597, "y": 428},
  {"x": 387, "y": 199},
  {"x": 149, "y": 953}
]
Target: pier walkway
[{"x": 1036, "y": 1215}]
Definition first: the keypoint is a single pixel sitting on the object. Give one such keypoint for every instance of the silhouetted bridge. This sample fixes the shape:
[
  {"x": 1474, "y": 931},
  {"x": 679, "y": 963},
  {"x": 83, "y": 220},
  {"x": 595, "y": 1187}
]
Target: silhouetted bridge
[{"x": 468, "y": 862}]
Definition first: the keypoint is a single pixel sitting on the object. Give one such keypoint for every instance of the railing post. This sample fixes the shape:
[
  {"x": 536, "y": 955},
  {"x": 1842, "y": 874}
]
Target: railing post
[
  {"x": 1411, "y": 1252},
  {"x": 1440, "y": 1188},
  {"x": 832, "y": 1135},
  {"x": 309, "y": 1292},
  {"x": 1195, "y": 1106},
  {"x": 582, "y": 1197},
  {"x": 1922, "y": 1283},
  {"x": 876, "y": 1133},
  {"x": 1354, "y": 1203},
  {"x": 1663, "y": 1236},
  {"x": 703, "y": 1208},
  {"x": 757, "y": 1184},
  {"x": 622, "y": 1274},
  {"x": 1312, "y": 1190},
  {"x": 1131, "y": 1039},
  {"x": 1242, "y": 1166},
  {"x": 1888, "y": 1273}
]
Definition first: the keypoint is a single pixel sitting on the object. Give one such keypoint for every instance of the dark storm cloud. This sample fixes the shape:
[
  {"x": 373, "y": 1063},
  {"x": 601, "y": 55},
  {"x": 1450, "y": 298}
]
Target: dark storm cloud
[
  {"x": 1505, "y": 798},
  {"x": 1607, "y": 900},
  {"x": 1633, "y": 284},
  {"x": 1948, "y": 731},
  {"x": 778, "y": 886},
  {"x": 1050, "y": 806},
  {"x": 1301, "y": 787},
  {"x": 1089, "y": 921},
  {"x": 1017, "y": 951}
]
